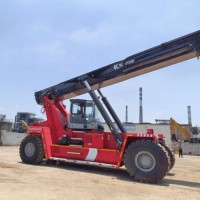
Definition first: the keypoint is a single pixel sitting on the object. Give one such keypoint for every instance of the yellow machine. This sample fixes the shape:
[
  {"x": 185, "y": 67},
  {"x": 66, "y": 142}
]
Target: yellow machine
[
  {"x": 179, "y": 134},
  {"x": 21, "y": 127},
  {"x": 24, "y": 126}
]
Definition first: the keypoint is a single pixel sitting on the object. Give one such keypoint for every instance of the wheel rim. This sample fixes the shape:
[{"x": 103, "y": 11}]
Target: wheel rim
[
  {"x": 29, "y": 149},
  {"x": 145, "y": 161}
]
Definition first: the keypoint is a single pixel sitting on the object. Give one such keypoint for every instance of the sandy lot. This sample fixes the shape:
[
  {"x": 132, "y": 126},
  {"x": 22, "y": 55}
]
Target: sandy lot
[{"x": 27, "y": 182}]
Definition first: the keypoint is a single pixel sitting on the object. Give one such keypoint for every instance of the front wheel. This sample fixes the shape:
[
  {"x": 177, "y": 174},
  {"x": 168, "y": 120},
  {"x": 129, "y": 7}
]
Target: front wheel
[
  {"x": 31, "y": 150},
  {"x": 146, "y": 161}
]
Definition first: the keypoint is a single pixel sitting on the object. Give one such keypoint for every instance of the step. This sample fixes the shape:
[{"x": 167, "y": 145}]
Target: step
[{"x": 84, "y": 162}]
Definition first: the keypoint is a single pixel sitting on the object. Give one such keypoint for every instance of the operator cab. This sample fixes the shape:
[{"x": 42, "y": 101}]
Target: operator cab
[{"x": 84, "y": 115}]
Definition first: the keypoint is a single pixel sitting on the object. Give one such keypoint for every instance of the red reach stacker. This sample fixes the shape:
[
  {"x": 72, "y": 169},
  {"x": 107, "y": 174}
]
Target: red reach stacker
[{"x": 78, "y": 136}]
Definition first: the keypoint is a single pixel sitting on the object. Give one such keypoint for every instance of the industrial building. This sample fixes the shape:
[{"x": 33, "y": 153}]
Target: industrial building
[
  {"x": 13, "y": 133},
  {"x": 5, "y": 124}
]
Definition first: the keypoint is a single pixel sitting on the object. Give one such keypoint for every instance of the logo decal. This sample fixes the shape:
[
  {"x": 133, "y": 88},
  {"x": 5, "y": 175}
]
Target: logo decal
[
  {"x": 118, "y": 66},
  {"x": 130, "y": 62}
]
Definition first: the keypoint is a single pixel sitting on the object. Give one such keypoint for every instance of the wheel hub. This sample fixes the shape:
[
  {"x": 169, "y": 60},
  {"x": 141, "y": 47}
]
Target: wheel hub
[
  {"x": 29, "y": 149},
  {"x": 145, "y": 161}
]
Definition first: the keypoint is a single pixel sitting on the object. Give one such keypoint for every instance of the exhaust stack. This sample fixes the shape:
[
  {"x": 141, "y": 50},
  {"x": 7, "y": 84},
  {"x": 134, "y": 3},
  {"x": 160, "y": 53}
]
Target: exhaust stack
[
  {"x": 189, "y": 115},
  {"x": 140, "y": 106},
  {"x": 126, "y": 120}
]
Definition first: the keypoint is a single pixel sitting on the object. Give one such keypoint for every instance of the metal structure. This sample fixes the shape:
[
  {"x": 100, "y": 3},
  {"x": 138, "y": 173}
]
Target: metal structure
[
  {"x": 145, "y": 156},
  {"x": 23, "y": 119},
  {"x": 2, "y": 117}
]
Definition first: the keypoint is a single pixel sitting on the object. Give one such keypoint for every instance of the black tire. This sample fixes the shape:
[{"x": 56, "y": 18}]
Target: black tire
[
  {"x": 146, "y": 161},
  {"x": 171, "y": 156},
  {"x": 31, "y": 150}
]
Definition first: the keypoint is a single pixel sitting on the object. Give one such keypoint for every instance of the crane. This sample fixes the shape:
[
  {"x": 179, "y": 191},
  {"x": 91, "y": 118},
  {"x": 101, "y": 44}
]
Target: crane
[{"x": 73, "y": 137}]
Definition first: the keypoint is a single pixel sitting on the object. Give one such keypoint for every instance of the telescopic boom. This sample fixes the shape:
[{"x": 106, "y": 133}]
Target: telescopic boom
[{"x": 166, "y": 54}]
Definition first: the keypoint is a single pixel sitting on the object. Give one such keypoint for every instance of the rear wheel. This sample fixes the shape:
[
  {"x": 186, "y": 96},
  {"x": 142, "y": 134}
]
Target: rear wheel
[
  {"x": 146, "y": 161},
  {"x": 170, "y": 154},
  {"x": 31, "y": 150}
]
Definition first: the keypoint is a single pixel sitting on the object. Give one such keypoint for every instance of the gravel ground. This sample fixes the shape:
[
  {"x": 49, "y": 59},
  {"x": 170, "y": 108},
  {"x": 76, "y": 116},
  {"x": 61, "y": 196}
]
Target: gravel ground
[{"x": 26, "y": 182}]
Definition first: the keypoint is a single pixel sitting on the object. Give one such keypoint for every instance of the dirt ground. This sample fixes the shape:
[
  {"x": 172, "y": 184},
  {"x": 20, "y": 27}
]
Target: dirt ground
[{"x": 27, "y": 182}]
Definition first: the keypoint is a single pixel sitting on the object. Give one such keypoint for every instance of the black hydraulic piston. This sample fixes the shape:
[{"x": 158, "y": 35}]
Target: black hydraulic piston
[
  {"x": 112, "y": 112},
  {"x": 103, "y": 112}
]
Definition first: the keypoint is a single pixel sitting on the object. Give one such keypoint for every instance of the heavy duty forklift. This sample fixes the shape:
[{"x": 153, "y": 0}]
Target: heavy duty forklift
[{"x": 79, "y": 137}]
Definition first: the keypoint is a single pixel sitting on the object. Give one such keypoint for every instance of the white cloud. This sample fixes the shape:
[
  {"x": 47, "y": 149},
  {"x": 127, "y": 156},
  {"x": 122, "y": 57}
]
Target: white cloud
[
  {"x": 17, "y": 106},
  {"x": 101, "y": 33},
  {"x": 49, "y": 48}
]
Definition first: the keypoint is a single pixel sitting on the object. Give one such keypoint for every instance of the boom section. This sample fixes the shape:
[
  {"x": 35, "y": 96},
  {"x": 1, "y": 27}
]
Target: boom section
[{"x": 166, "y": 54}]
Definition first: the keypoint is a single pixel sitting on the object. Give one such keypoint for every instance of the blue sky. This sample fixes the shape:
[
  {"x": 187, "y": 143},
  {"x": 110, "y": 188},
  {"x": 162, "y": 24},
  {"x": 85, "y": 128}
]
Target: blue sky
[{"x": 46, "y": 42}]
